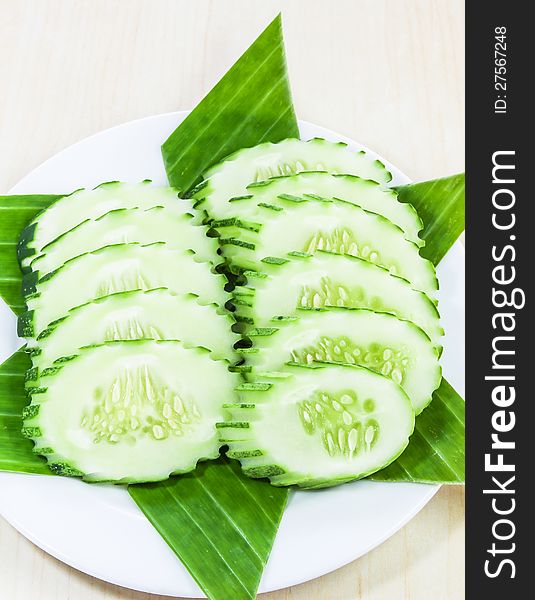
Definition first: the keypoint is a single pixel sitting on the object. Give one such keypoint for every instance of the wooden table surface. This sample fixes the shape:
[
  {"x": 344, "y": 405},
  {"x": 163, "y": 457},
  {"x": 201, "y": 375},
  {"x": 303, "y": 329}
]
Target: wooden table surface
[{"x": 389, "y": 73}]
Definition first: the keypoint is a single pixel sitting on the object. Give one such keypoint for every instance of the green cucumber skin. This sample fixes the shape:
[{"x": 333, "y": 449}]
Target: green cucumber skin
[
  {"x": 30, "y": 280},
  {"x": 23, "y": 249},
  {"x": 25, "y": 324}
]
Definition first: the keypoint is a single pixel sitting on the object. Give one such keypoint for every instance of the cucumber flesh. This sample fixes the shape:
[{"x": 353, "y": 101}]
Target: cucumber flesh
[
  {"x": 129, "y": 412},
  {"x": 318, "y": 427},
  {"x": 118, "y": 268},
  {"x": 363, "y": 192},
  {"x": 325, "y": 280},
  {"x": 231, "y": 177},
  {"x": 334, "y": 226},
  {"x": 378, "y": 341},
  {"x": 143, "y": 225},
  {"x": 154, "y": 314},
  {"x": 69, "y": 211}
]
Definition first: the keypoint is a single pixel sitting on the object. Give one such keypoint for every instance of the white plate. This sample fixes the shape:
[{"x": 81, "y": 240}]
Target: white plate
[{"x": 99, "y": 530}]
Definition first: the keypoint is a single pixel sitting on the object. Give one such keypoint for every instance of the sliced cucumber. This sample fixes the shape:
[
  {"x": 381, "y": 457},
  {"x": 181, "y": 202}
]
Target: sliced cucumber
[
  {"x": 318, "y": 427},
  {"x": 123, "y": 225},
  {"x": 365, "y": 193},
  {"x": 154, "y": 314},
  {"x": 69, "y": 211},
  {"x": 231, "y": 177},
  {"x": 325, "y": 280},
  {"x": 129, "y": 411},
  {"x": 335, "y": 226},
  {"x": 118, "y": 268},
  {"x": 381, "y": 342}
]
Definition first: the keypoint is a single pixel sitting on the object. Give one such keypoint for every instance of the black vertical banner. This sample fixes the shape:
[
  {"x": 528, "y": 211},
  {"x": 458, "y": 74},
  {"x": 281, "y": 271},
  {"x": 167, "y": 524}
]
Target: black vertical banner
[{"x": 500, "y": 242}]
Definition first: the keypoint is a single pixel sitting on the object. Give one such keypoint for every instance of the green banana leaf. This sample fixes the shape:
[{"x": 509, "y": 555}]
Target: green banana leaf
[
  {"x": 436, "y": 450},
  {"x": 250, "y": 105},
  {"x": 16, "y": 451},
  {"x": 15, "y": 213},
  {"x": 220, "y": 524},
  {"x": 440, "y": 204}
]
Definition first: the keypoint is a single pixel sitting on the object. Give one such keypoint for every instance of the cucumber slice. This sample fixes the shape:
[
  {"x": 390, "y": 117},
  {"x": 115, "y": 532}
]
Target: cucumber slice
[
  {"x": 231, "y": 177},
  {"x": 365, "y": 193},
  {"x": 335, "y": 226},
  {"x": 381, "y": 342},
  {"x": 154, "y": 314},
  {"x": 118, "y": 268},
  {"x": 123, "y": 225},
  {"x": 69, "y": 211},
  {"x": 129, "y": 412},
  {"x": 318, "y": 427},
  {"x": 325, "y": 280}
]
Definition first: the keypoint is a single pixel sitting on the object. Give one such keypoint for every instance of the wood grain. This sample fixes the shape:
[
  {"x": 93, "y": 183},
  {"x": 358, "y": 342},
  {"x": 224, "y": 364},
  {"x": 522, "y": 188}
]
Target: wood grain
[{"x": 389, "y": 73}]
